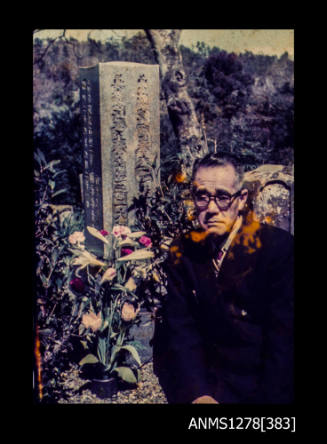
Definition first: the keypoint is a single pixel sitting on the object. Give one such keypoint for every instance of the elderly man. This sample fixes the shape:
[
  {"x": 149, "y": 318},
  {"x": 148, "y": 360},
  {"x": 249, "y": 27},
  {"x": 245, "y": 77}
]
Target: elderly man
[{"x": 225, "y": 334}]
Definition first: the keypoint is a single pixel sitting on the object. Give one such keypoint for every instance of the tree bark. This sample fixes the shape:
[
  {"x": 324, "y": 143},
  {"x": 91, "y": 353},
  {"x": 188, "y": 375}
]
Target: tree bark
[{"x": 180, "y": 106}]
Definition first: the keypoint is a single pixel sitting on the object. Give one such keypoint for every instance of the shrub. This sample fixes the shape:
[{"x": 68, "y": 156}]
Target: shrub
[{"x": 56, "y": 306}]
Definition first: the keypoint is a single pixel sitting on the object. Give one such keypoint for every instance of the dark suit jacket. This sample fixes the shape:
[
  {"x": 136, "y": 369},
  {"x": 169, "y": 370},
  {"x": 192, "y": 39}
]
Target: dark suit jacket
[{"x": 230, "y": 337}]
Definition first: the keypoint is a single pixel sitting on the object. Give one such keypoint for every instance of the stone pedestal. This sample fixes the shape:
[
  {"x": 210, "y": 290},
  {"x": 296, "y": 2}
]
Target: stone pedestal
[
  {"x": 143, "y": 333},
  {"x": 121, "y": 138}
]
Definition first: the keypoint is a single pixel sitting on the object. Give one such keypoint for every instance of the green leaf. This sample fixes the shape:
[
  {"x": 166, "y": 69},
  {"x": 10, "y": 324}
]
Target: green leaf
[
  {"x": 58, "y": 172},
  {"x": 133, "y": 352},
  {"x": 104, "y": 325},
  {"x": 96, "y": 233},
  {"x": 40, "y": 156},
  {"x": 138, "y": 371},
  {"x": 46, "y": 331},
  {"x": 53, "y": 163},
  {"x": 126, "y": 374},
  {"x": 84, "y": 344},
  {"x": 137, "y": 255},
  {"x": 54, "y": 256},
  {"x": 115, "y": 350},
  {"x": 102, "y": 349},
  {"x": 136, "y": 234},
  {"x": 118, "y": 287},
  {"x": 59, "y": 192},
  {"x": 44, "y": 280},
  {"x": 128, "y": 243},
  {"x": 89, "y": 359}
]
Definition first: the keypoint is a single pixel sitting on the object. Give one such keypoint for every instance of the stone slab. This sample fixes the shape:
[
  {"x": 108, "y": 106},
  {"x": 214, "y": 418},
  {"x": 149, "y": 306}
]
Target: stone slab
[{"x": 121, "y": 134}]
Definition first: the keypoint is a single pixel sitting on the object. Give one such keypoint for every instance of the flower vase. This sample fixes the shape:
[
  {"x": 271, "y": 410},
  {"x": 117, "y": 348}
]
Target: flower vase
[
  {"x": 102, "y": 383},
  {"x": 105, "y": 387}
]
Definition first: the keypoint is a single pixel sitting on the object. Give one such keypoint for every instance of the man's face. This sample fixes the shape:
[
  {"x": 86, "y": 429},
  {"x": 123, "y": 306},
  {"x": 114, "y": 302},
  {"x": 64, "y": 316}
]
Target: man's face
[{"x": 217, "y": 181}]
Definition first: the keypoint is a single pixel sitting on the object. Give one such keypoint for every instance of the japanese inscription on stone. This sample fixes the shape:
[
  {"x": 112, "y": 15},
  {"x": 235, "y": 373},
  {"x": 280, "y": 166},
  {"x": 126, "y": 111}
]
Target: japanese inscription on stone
[
  {"x": 120, "y": 110},
  {"x": 92, "y": 158},
  {"x": 143, "y": 154},
  {"x": 119, "y": 151}
]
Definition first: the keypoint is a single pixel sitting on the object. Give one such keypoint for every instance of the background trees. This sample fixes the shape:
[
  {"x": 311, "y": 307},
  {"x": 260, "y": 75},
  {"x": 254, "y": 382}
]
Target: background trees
[{"x": 243, "y": 103}]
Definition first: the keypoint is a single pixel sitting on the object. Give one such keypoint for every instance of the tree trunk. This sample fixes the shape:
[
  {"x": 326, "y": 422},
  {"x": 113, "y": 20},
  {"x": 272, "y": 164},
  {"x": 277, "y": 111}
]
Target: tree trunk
[{"x": 180, "y": 106}]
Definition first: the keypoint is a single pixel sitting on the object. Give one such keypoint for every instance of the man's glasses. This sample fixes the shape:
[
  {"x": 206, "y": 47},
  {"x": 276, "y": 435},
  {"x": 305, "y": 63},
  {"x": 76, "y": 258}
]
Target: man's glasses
[{"x": 222, "y": 199}]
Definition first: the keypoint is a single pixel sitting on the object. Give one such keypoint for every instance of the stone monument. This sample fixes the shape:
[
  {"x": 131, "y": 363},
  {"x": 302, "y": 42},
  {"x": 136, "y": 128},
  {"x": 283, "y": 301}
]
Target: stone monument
[
  {"x": 121, "y": 140},
  {"x": 271, "y": 193}
]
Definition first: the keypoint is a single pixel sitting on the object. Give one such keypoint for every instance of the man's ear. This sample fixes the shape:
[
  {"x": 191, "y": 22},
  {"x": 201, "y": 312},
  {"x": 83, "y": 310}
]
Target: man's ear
[{"x": 242, "y": 199}]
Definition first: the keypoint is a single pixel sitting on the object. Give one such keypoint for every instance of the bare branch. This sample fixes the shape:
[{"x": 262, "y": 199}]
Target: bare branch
[
  {"x": 49, "y": 45},
  {"x": 114, "y": 32}
]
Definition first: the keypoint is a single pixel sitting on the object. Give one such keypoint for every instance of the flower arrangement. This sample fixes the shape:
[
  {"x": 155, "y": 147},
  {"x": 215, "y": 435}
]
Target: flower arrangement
[{"x": 111, "y": 304}]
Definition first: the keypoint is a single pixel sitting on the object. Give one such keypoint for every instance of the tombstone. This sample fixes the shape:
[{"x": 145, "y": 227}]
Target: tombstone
[
  {"x": 121, "y": 139},
  {"x": 143, "y": 334},
  {"x": 271, "y": 194}
]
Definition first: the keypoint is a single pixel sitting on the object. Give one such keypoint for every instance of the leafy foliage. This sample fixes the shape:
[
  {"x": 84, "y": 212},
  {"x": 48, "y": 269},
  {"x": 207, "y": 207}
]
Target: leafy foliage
[
  {"x": 56, "y": 308},
  {"x": 244, "y": 102},
  {"x": 246, "y": 112},
  {"x": 83, "y": 302},
  {"x": 164, "y": 213},
  {"x": 59, "y": 137},
  {"x": 227, "y": 82}
]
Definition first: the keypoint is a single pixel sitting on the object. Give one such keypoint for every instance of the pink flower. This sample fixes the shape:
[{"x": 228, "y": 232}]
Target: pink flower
[
  {"x": 104, "y": 232},
  {"x": 126, "y": 251},
  {"x": 77, "y": 284},
  {"x": 92, "y": 320},
  {"x": 146, "y": 241},
  {"x": 128, "y": 312},
  {"x": 120, "y": 231},
  {"x": 109, "y": 274},
  {"x": 76, "y": 237},
  {"x": 130, "y": 284}
]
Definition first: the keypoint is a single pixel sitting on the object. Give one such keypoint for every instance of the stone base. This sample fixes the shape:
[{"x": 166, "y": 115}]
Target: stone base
[{"x": 143, "y": 333}]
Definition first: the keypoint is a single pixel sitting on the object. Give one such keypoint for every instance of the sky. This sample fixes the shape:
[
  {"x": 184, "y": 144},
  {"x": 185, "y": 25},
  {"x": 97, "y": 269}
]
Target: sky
[{"x": 258, "y": 41}]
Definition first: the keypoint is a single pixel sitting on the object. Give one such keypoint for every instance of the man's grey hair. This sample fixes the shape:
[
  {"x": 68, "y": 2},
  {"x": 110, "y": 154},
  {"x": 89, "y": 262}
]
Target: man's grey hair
[{"x": 214, "y": 160}]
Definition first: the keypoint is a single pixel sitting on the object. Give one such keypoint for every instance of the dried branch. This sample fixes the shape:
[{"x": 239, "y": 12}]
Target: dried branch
[{"x": 51, "y": 42}]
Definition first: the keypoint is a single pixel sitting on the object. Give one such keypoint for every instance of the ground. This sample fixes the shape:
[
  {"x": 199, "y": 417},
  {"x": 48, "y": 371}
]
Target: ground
[{"x": 148, "y": 390}]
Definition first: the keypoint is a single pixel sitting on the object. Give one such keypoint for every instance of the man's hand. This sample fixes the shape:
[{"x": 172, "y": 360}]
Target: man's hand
[{"x": 205, "y": 400}]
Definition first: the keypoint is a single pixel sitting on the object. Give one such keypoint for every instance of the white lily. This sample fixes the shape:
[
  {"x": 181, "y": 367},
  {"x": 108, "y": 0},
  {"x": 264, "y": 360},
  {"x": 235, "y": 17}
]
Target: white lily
[{"x": 86, "y": 259}]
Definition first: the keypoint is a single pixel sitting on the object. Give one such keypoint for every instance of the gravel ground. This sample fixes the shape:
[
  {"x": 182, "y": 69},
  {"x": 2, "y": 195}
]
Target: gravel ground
[{"x": 148, "y": 390}]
